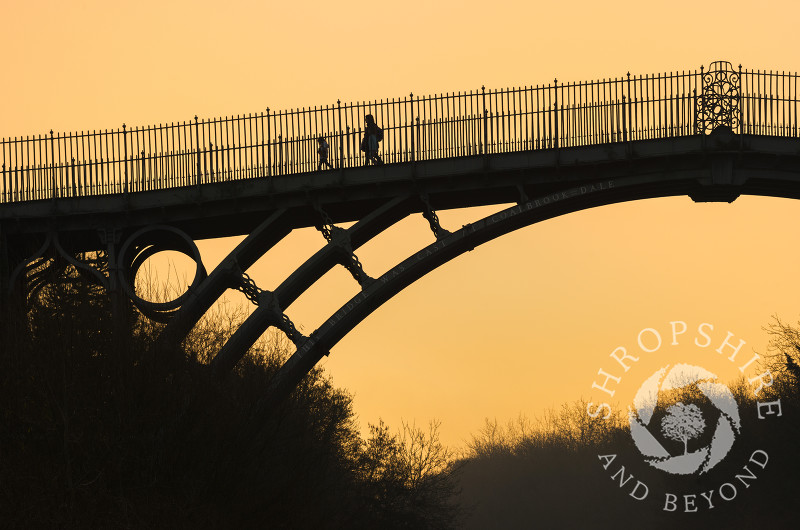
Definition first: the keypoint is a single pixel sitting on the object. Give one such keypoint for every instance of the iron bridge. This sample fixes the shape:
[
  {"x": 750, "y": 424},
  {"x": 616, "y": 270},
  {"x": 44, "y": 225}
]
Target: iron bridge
[{"x": 547, "y": 150}]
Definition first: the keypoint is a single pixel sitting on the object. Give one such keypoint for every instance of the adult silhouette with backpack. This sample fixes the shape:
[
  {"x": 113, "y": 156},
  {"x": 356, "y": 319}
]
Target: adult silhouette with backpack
[
  {"x": 322, "y": 150},
  {"x": 372, "y": 135}
]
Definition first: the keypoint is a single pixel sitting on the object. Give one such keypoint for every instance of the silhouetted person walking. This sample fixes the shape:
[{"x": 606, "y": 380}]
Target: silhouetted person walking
[
  {"x": 323, "y": 153},
  {"x": 372, "y": 135}
]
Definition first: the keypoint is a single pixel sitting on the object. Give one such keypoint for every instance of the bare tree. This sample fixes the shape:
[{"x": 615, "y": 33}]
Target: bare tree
[
  {"x": 408, "y": 477},
  {"x": 783, "y": 353},
  {"x": 682, "y": 423}
]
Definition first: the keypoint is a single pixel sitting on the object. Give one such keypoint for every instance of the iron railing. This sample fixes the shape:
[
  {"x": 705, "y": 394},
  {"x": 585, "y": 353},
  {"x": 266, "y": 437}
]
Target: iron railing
[{"x": 478, "y": 122}]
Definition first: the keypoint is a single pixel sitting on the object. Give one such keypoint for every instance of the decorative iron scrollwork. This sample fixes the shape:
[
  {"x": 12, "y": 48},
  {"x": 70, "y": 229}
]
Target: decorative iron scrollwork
[
  {"x": 433, "y": 220},
  {"x": 149, "y": 241},
  {"x": 719, "y": 103},
  {"x": 260, "y": 297},
  {"x": 339, "y": 237}
]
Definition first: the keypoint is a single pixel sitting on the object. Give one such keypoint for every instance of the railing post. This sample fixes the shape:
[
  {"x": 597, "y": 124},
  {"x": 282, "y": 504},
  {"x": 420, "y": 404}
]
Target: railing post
[
  {"x": 555, "y": 86},
  {"x": 412, "y": 153},
  {"x": 624, "y": 116},
  {"x": 697, "y": 126},
  {"x": 6, "y": 197},
  {"x": 280, "y": 154},
  {"x": 699, "y": 104},
  {"x": 418, "y": 139},
  {"x": 485, "y": 147},
  {"x": 125, "y": 163},
  {"x": 197, "y": 150},
  {"x": 72, "y": 173},
  {"x": 211, "y": 155},
  {"x": 341, "y": 129},
  {"x": 348, "y": 141},
  {"x": 703, "y": 97},
  {"x": 143, "y": 173},
  {"x": 414, "y": 125},
  {"x": 740, "y": 105},
  {"x": 52, "y": 165},
  {"x": 269, "y": 146}
]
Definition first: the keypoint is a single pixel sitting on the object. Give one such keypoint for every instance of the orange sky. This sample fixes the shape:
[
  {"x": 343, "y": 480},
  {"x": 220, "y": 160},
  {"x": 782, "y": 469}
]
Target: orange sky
[{"x": 518, "y": 325}]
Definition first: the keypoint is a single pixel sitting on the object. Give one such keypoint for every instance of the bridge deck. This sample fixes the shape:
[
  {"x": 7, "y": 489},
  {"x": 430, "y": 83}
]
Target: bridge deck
[
  {"x": 721, "y": 131},
  {"x": 234, "y": 208}
]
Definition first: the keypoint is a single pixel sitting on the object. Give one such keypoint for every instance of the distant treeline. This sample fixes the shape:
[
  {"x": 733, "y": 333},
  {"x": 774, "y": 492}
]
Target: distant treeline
[{"x": 558, "y": 472}]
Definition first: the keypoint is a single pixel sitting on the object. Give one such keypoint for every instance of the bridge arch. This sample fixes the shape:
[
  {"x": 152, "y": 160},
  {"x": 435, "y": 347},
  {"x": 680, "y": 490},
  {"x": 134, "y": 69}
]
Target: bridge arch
[{"x": 444, "y": 249}]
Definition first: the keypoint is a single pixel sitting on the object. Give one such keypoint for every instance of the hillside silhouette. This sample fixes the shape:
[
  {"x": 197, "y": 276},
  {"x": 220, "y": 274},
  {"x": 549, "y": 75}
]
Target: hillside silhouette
[{"x": 547, "y": 473}]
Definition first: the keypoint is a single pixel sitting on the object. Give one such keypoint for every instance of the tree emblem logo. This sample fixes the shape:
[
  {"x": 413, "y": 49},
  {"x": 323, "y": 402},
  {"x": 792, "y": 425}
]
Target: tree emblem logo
[{"x": 683, "y": 422}]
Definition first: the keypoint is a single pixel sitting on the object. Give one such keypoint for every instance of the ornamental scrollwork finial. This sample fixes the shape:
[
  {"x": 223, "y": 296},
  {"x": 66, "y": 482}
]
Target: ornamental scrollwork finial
[{"x": 719, "y": 103}]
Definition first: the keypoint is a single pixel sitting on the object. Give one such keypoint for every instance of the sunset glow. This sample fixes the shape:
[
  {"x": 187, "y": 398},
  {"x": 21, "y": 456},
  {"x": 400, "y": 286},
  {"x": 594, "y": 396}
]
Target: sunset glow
[{"x": 520, "y": 324}]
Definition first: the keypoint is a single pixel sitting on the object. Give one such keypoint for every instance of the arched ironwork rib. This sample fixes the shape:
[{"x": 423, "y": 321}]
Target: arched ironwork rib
[
  {"x": 262, "y": 239},
  {"x": 79, "y": 265},
  {"x": 441, "y": 252},
  {"x": 305, "y": 276}
]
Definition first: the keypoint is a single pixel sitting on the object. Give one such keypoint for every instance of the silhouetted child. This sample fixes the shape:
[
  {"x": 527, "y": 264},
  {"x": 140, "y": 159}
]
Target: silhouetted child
[
  {"x": 372, "y": 135},
  {"x": 323, "y": 153}
]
